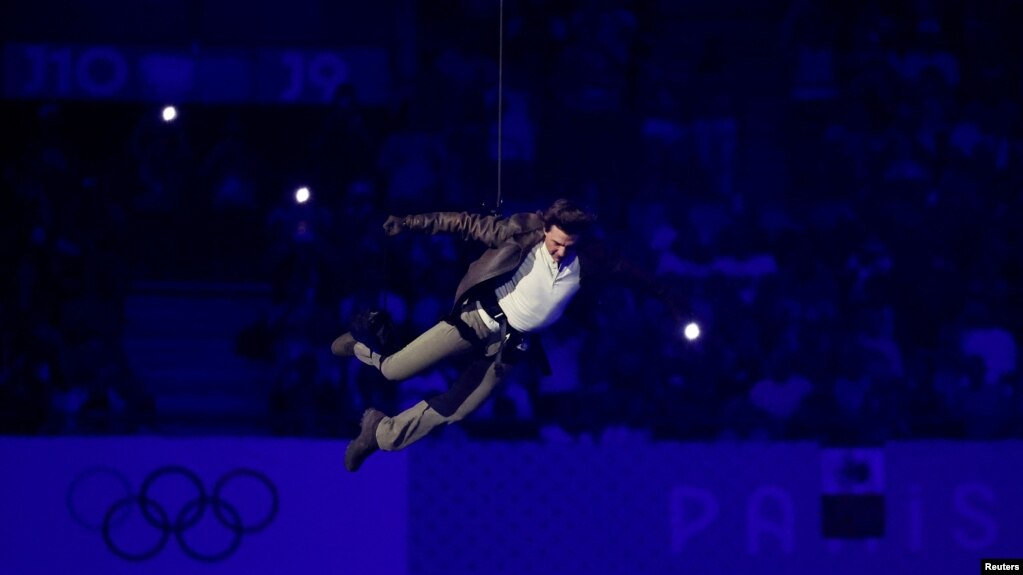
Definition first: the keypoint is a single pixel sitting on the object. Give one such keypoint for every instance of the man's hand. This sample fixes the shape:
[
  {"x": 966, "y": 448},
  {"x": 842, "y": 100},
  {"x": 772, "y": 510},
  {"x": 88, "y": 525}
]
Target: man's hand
[{"x": 394, "y": 225}]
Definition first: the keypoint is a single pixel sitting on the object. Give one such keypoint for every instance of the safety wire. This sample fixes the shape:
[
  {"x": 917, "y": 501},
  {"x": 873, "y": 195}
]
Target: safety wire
[{"x": 500, "y": 99}]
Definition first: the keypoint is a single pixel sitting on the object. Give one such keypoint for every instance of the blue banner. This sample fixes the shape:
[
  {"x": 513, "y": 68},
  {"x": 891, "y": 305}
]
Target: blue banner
[
  {"x": 206, "y": 75},
  {"x": 151, "y": 505},
  {"x": 709, "y": 508}
]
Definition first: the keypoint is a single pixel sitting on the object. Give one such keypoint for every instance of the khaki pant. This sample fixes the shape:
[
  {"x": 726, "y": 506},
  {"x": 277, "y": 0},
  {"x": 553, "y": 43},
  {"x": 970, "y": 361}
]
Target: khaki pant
[{"x": 435, "y": 344}]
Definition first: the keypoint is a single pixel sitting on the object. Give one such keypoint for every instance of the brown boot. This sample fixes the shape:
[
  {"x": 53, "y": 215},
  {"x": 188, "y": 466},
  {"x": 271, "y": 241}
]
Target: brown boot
[
  {"x": 366, "y": 443},
  {"x": 343, "y": 346}
]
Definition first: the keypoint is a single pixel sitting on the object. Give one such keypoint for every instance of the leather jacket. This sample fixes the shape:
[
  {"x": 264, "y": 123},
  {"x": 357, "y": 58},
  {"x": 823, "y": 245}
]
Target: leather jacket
[{"x": 508, "y": 240}]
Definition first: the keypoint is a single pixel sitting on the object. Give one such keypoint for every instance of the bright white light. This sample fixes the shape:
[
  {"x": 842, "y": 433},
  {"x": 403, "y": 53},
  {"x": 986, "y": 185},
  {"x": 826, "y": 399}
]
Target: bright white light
[
  {"x": 692, "y": 331},
  {"x": 302, "y": 195},
  {"x": 169, "y": 113}
]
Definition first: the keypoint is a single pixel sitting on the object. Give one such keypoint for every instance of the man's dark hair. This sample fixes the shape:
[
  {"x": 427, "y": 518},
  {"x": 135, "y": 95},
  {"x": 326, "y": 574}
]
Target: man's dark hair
[{"x": 569, "y": 216}]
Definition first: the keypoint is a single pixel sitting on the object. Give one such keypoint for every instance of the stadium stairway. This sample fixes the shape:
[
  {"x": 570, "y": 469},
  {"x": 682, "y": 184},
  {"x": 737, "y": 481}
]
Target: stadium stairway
[{"x": 180, "y": 340}]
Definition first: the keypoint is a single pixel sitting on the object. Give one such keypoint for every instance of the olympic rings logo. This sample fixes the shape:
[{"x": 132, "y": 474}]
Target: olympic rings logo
[{"x": 189, "y": 512}]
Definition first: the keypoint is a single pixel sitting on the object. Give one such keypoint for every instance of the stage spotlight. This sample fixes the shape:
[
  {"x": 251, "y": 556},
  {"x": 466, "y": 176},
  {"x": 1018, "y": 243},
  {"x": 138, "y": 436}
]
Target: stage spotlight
[
  {"x": 691, "y": 331},
  {"x": 302, "y": 195},
  {"x": 169, "y": 113}
]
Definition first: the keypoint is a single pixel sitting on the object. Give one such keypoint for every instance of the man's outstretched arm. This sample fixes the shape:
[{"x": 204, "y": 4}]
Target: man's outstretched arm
[{"x": 491, "y": 230}]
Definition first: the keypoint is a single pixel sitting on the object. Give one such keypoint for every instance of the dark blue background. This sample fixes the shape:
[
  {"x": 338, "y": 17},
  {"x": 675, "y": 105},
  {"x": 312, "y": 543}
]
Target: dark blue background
[{"x": 833, "y": 193}]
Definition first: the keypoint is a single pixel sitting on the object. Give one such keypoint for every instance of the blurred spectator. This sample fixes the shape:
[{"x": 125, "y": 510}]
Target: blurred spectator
[
  {"x": 780, "y": 398},
  {"x": 164, "y": 160},
  {"x": 230, "y": 169},
  {"x": 344, "y": 147},
  {"x": 996, "y": 347}
]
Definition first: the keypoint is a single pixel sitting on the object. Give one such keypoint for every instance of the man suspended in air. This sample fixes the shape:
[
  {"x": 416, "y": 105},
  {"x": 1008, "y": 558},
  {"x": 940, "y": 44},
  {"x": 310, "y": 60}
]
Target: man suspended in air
[{"x": 534, "y": 264}]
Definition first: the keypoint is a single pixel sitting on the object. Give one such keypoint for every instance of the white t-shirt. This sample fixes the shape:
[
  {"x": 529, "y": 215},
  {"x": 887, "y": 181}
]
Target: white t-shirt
[{"x": 538, "y": 292}]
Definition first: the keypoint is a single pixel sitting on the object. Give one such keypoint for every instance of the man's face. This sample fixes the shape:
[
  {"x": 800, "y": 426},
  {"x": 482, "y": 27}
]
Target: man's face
[{"x": 559, "y": 244}]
